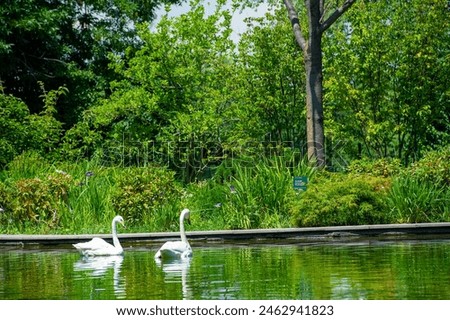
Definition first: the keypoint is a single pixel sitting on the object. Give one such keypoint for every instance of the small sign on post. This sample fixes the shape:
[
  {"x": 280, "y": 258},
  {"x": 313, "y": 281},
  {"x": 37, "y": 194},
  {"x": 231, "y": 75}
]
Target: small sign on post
[{"x": 300, "y": 183}]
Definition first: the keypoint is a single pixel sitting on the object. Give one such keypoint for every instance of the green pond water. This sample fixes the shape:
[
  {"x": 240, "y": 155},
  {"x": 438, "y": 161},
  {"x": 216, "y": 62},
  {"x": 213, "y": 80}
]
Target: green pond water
[{"x": 364, "y": 269}]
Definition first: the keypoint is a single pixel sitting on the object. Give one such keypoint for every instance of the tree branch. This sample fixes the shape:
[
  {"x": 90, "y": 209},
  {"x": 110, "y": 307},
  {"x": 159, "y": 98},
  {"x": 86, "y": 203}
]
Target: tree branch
[
  {"x": 336, "y": 14},
  {"x": 293, "y": 17},
  {"x": 322, "y": 9}
]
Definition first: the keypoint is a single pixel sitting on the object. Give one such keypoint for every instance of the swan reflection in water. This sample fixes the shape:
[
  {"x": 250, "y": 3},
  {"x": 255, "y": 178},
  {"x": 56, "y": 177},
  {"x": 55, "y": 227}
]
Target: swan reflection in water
[
  {"x": 98, "y": 267},
  {"x": 176, "y": 271}
]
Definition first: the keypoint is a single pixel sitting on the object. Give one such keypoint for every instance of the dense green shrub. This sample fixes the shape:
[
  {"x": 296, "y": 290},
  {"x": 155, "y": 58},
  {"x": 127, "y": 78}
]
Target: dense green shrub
[
  {"x": 33, "y": 194},
  {"x": 379, "y": 167},
  {"x": 5, "y": 205},
  {"x": 422, "y": 193},
  {"x": 41, "y": 201},
  {"x": 13, "y": 127},
  {"x": 139, "y": 191},
  {"x": 434, "y": 167},
  {"x": 34, "y": 201},
  {"x": 342, "y": 200},
  {"x": 21, "y": 131}
]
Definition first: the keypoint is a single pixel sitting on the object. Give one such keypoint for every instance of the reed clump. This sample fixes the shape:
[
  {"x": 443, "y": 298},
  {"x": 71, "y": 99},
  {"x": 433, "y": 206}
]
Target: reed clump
[{"x": 37, "y": 196}]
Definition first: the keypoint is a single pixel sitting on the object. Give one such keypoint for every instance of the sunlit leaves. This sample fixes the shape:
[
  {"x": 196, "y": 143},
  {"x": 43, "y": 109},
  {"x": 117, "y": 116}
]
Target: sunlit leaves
[{"x": 271, "y": 81}]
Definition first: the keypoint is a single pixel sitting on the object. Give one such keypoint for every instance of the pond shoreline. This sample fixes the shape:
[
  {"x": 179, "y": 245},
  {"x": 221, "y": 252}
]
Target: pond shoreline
[{"x": 306, "y": 233}]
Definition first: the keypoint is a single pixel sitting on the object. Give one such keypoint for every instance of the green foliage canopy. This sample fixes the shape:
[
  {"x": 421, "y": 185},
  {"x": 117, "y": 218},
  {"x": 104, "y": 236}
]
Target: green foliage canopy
[
  {"x": 387, "y": 79},
  {"x": 66, "y": 43}
]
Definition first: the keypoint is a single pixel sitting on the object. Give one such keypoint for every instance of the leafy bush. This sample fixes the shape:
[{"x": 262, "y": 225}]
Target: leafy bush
[
  {"x": 35, "y": 201},
  {"x": 21, "y": 131},
  {"x": 342, "y": 200},
  {"x": 415, "y": 200},
  {"x": 5, "y": 205},
  {"x": 41, "y": 200},
  {"x": 379, "y": 168},
  {"x": 138, "y": 191},
  {"x": 13, "y": 125},
  {"x": 434, "y": 167},
  {"x": 81, "y": 141},
  {"x": 30, "y": 195}
]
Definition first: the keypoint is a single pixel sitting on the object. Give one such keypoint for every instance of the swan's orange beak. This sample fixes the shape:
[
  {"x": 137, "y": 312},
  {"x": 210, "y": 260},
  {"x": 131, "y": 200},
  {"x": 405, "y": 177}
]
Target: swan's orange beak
[{"x": 188, "y": 220}]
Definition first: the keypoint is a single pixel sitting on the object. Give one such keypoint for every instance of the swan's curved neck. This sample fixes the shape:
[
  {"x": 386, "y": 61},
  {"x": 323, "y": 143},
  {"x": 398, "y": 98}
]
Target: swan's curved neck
[
  {"x": 182, "y": 232},
  {"x": 116, "y": 241}
]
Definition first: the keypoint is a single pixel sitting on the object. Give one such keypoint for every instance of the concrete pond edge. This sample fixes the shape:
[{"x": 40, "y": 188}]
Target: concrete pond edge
[{"x": 306, "y": 233}]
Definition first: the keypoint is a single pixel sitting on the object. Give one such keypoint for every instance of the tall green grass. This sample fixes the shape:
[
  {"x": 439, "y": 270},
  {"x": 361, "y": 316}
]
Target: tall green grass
[
  {"x": 56, "y": 198},
  {"x": 89, "y": 207},
  {"x": 422, "y": 192},
  {"x": 83, "y": 197},
  {"x": 26, "y": 166},
  {"x": 260, "y": 192},
  {"x": 415, "y": 200},
  {"x": 245, "y": 194},
  {"x": 37, "y": 196}
]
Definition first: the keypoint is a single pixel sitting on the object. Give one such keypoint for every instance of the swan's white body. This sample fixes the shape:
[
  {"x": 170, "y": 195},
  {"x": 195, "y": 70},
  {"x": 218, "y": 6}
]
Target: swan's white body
[
  {"x": 99, "y": 247},
  {"x": 177, "y": 249}
]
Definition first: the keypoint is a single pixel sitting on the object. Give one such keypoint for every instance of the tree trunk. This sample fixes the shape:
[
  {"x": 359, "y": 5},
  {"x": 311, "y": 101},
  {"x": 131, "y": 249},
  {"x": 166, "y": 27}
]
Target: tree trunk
[
  {"x": 312, "y": 54},
  {"x": 314, "y": 109}
]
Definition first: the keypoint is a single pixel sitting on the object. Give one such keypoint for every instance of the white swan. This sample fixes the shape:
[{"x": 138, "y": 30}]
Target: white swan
[
  {"x": 177, "y": 249},
  {"x": 99, "y": 247}
]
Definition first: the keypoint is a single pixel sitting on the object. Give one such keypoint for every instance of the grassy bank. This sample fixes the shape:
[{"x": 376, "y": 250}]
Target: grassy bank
[{"x": 69, "y": 198}]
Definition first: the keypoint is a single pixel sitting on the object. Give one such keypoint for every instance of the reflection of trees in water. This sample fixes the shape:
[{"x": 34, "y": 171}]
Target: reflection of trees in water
[
  {"x": 365, "y": 270},
  {"x": 245, "y": 272},
  {"x": 374, "y": 270},
  {"x": 33, "y": 274},
  {"x": 98, "y": 267}
]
